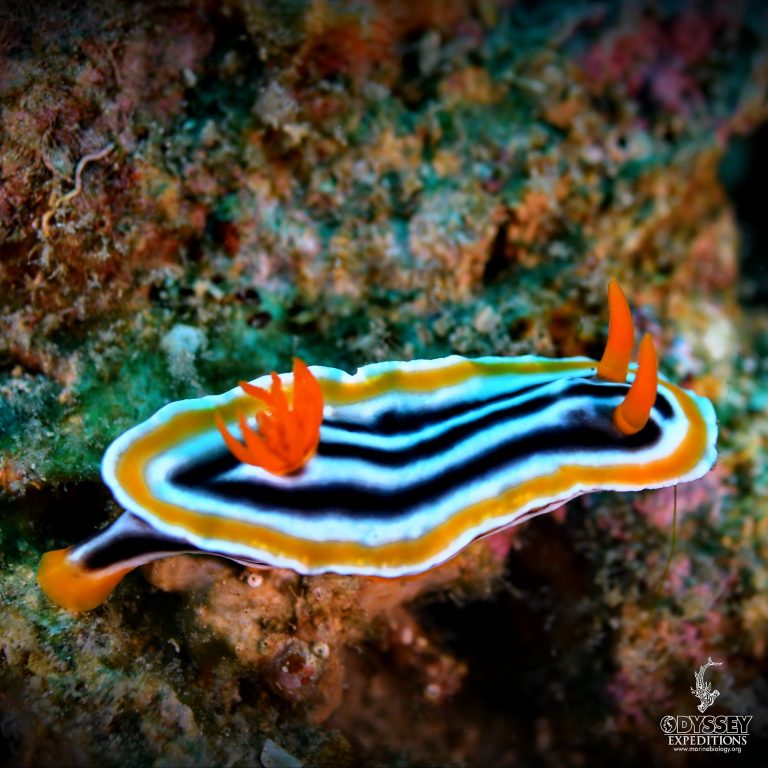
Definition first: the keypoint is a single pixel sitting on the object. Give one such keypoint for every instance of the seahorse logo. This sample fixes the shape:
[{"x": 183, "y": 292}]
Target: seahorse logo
[{"x": 703, "y": 690}]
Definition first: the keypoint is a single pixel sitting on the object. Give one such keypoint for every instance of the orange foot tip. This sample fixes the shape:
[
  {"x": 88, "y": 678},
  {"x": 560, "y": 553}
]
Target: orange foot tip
[{"x": 73, "y": 587}]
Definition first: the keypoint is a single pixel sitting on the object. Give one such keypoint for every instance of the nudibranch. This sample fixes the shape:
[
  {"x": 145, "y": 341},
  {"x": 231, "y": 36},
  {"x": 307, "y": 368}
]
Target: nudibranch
[{"x": 388, "y": 471}]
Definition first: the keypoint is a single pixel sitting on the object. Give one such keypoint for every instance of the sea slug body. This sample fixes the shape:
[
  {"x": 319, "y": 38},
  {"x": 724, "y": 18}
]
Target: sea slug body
[{"x": 388, "y": 471}]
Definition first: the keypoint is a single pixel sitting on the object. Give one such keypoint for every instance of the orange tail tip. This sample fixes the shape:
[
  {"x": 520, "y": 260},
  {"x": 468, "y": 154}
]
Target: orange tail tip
[
  {"x": 632, "y": 414},
  {"x": 621, "y": 337},
  {"x": 288, "y": 436},
  {"x": 73, "y": 587}
]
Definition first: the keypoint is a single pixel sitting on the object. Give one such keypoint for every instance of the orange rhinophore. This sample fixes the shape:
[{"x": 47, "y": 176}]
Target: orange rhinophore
[
  {"x": 632, "y": 414},
  {"x": 288, "y": 436},
  {"x": 621, "y": 337}
]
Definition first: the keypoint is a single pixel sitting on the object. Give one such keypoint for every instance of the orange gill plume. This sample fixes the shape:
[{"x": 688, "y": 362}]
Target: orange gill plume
[
  {"x": 632, "y": 414},
  {"x": 288, "y": 436},
  {"x": 621, "y": 337}
]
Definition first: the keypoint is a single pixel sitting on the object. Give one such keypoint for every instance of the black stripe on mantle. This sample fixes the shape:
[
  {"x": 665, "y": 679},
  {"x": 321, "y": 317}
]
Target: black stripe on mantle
[{"x": 584, "y": 431}]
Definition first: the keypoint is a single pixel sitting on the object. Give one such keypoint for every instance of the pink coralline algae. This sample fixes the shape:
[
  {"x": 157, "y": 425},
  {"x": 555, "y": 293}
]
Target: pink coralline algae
[{"x": 658, "y": 58}]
